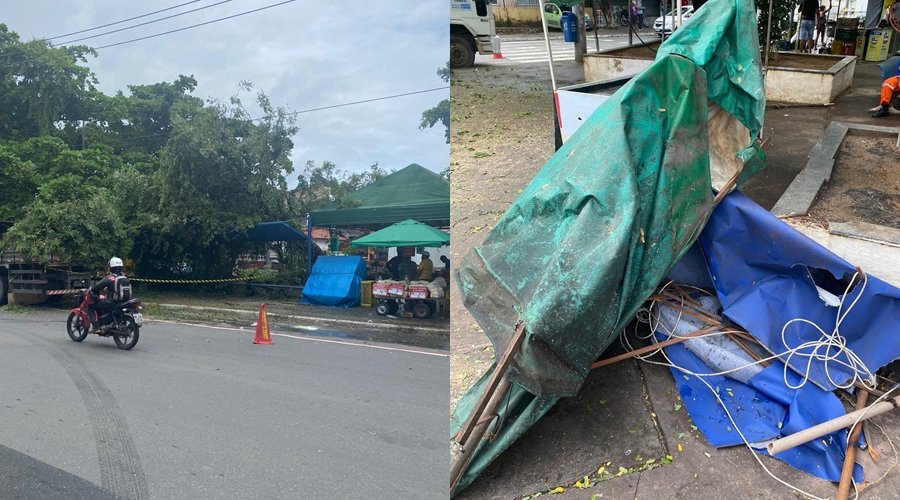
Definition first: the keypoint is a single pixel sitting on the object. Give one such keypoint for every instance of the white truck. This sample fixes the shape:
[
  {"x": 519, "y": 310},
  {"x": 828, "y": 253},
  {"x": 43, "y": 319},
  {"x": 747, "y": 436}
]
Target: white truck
[{"x": 471, "y": 30}]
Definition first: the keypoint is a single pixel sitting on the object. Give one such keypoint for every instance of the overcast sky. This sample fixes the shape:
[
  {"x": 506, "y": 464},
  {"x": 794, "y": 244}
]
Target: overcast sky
[{"x": 304, "y": 55}]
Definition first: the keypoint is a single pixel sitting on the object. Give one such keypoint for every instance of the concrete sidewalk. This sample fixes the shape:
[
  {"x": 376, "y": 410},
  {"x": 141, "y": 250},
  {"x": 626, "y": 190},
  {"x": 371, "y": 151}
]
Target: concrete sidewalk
[{"x": 627, "y": 435}]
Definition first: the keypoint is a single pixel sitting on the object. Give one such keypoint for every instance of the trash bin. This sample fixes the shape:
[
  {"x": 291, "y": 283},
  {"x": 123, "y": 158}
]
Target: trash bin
[{"x": 569, "y": 24}]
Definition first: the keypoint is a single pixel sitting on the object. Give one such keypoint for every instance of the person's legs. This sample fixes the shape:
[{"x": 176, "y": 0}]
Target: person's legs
[
  {"x": 888, "y": 88},
  {"x": 100, "y": 308},
  {"x": 806, "y": 35}
]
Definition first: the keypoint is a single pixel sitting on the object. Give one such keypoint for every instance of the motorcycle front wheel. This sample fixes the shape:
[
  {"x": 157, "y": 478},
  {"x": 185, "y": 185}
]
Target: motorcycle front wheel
[
  {"x": 76, "y": 328},
  {"x": 127, "y": 337}
]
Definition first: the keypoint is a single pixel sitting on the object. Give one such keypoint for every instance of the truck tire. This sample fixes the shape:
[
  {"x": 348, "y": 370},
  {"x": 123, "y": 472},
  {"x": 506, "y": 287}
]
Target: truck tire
[
  {"x": 462, "y": 52},
  {"x": 4, "y": 286}
]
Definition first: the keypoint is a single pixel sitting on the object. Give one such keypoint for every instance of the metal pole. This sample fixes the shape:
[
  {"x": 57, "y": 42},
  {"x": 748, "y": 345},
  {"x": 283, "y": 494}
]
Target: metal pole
[
  {"x": 768, "y": 39},
  {"x": 662, "y": 14},
  {"x": 674, "y": 6},
  {"x": 309, "y": 244},
  {"x": 596, "y": 24},
  {"x": 630, "y": 34},
  {"x": 547, "y": 41}
]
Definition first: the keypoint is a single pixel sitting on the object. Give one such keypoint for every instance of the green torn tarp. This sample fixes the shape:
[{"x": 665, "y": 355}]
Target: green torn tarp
[
  {"x": 595, "y": 231},
  {"x": 413, "y": 192},
  {"x": 408, "y": 233}
]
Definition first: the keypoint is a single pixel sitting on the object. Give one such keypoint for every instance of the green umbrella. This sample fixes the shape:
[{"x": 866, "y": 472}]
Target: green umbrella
[{"x": 408, "y": 233}]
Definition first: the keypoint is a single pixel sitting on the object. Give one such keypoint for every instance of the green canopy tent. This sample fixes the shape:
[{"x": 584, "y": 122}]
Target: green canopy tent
[
  {"x": 411, "y": 193},
  {"x": 408, "y": 233}
]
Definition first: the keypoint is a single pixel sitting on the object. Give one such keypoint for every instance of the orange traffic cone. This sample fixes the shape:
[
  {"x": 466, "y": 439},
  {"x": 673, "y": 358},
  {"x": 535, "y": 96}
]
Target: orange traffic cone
[{"x": 262, "y": 328}]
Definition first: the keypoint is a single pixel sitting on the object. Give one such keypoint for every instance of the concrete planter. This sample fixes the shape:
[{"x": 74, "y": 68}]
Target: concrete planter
[
  {"x": 618, "y": 63},
  {"x": 795, "y": 79},
  {"x": 791, "y": 78}
]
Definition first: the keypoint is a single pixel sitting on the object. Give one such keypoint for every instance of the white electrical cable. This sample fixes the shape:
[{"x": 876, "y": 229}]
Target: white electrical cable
[
  {"x": 829, "y": 341},
  {"x": 826, "y": 341},
  {"x": 645, "y": 315}
]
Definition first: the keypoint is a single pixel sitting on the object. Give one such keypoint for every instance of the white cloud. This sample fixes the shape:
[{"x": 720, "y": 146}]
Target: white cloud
[{"x": 303, "y": 55}]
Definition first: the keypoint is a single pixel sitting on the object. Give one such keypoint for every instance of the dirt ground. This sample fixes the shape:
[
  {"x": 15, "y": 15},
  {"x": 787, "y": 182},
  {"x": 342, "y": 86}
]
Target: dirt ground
[
  {"x": 802, "y": 61},
  {"x": 501, "y": 134},
  {"x": 647, "y": 52},
  {"x": 864, "y": 185}
]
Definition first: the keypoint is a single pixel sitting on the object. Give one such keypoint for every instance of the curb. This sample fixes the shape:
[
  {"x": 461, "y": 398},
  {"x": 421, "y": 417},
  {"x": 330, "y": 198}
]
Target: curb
[{"x": 336, "y": 321}]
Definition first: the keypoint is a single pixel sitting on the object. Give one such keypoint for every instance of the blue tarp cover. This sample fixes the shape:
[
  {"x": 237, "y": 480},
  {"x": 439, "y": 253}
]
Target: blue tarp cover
[
  {"x": 335, "y": 281},
  {"x": 765, "y": 274},
  {"x": 764, "y": 409}
]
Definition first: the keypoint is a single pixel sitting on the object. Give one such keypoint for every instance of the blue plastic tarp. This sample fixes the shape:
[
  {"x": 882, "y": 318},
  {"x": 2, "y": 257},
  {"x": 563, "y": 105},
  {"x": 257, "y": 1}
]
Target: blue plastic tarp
[
  {"x": 335, "y": 281},
  {"x": 764, "y": 409},
  {"x": 766, "y": 274}
]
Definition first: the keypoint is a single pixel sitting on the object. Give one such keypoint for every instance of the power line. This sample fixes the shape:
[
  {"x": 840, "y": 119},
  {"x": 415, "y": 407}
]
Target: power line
[
  {"x": 194, "y": 25},
  {"x": 358, "y": 102},
  {"x": 122, "y": 21},
  {"x": 142, "y": 24},
  {"x": 162, "y": 134}
]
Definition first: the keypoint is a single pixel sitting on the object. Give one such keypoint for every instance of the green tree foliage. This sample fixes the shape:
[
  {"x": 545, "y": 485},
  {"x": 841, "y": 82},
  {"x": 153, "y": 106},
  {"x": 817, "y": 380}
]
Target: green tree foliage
[
  {"x": 43, "y": 87},
  {"x": 781, "y": 20},
  {"x": 440, "y": 112},
  {"x": 158, "y": 174},
  {"x": 219, "y": 174},
  {"x": 326, "y": 184}
]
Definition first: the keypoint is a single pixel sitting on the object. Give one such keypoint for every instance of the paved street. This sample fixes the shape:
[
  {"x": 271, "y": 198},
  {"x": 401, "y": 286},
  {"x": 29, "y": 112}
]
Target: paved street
[
  {"x": 532, "y": 48},
  {"x": 201, "y": 412}
]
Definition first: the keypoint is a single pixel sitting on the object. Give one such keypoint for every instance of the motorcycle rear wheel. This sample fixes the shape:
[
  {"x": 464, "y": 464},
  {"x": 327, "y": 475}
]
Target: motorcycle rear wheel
[
  {"x": 76, "y": 328},
  {"x": 131, "y": 334}
]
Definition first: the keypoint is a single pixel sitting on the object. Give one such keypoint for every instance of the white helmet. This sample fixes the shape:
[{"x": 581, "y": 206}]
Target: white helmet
[{"x": 115, "y": 262}]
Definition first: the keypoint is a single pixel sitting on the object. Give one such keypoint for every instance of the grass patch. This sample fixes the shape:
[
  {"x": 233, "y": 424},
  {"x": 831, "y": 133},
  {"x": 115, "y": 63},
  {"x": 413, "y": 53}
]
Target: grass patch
[
  {"x": 156, "y": 311},
  {"x": 16, "y": 309}
]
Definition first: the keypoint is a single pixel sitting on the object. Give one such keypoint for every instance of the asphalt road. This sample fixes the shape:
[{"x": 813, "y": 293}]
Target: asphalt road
[{"x": 200, "y": 412}]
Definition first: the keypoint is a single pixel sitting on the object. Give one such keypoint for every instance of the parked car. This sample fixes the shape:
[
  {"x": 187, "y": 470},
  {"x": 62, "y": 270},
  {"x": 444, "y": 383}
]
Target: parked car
[
  {"x": 663, "y": 24},
  {"x": 553, "y": 14}
]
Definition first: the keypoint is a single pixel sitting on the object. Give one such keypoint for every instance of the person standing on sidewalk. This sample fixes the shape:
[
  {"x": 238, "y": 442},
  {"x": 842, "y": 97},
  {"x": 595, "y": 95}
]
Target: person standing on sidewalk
[
  {"x": 807, "y": 10},
  {"x": 821, "y": 19}
]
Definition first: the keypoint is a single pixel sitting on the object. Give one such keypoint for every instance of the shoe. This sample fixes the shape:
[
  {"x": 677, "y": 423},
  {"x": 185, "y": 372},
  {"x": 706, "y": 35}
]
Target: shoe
[{"x": 881, "y": 112}]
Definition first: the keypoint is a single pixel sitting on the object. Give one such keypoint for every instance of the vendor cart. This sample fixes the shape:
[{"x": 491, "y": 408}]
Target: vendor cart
[{"x": 420, "y": 299}]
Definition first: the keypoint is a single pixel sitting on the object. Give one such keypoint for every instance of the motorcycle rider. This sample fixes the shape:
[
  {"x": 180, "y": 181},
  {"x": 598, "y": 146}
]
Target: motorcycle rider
[{"x": 118, "y": 289}]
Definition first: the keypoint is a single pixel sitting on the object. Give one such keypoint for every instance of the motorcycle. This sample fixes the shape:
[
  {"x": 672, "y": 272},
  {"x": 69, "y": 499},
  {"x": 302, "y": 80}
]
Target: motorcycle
[
  {"x": 122, "y": 323},
  {"x": 636, "y": 19}
]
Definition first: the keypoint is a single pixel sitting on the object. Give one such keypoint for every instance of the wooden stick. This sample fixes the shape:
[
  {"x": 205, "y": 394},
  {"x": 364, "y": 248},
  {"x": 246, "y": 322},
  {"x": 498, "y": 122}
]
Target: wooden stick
[
  {"x": 726, "y": 188},
  {"x": 491, "y": 386},
  {"x": 850, "y": 458},
  {"x": 462, "y": 454},
  {"x": 653, "y": 347},
  {"x": 753, "y": 354}
]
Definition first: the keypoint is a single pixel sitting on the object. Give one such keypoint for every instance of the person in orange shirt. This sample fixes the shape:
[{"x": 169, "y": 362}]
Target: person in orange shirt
[{"x": 889, "y": 88}]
